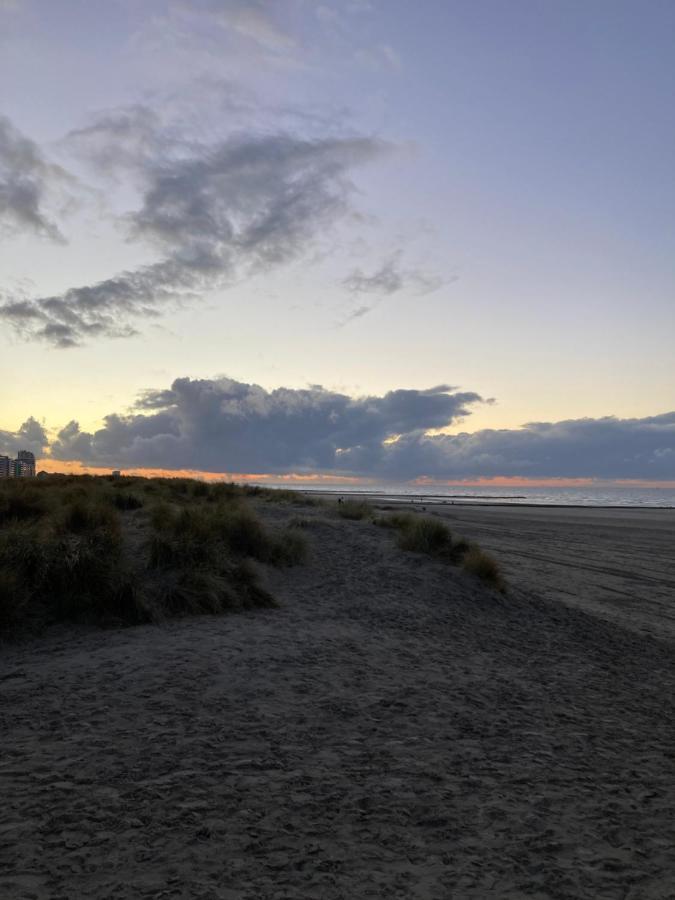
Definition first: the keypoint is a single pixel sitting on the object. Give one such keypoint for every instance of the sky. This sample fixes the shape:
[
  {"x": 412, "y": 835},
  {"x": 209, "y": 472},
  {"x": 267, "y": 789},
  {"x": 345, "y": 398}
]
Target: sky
[{"x": 348, "y": 238}]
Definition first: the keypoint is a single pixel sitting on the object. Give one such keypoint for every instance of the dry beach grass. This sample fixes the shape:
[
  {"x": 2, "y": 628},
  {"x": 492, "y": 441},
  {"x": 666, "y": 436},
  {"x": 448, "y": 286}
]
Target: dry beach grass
[
  {"x": 396, "y": 728},
  {"x": 131, "y": 550}
]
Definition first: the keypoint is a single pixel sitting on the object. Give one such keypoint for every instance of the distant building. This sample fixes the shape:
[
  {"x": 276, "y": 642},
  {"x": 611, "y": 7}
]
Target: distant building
[
  {"x": 26, "y": 461},
  {"x": 116, "y": 473},
  {"x": 21, "y": 467}
]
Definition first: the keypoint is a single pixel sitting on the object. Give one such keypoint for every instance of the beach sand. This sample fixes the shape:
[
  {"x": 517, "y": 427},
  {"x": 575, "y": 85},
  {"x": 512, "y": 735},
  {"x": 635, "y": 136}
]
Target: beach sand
[
  {"x": 615, "y": 563},
  {"x": 393, "y": 730}
]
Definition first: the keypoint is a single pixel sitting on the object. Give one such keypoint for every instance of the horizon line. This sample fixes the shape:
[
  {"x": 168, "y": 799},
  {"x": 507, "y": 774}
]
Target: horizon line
[{"x": 52, "y": 466}]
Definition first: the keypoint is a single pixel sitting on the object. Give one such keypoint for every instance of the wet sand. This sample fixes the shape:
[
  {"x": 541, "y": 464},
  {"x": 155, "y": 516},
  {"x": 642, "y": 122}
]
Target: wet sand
[{"x": 393, "y": 730}]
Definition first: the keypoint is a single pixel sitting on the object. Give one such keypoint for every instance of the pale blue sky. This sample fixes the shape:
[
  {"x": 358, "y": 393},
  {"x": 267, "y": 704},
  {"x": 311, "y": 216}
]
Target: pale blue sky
[{"x": 520, "y": 220}]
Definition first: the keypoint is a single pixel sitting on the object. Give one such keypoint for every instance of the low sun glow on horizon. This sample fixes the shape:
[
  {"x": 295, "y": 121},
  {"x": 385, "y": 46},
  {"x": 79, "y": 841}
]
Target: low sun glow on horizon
[{"x": 314, "y": 480}]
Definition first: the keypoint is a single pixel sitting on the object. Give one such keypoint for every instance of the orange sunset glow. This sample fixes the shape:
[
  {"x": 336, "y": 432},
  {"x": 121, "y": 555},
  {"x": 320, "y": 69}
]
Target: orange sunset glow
[{"x": 316, "y": 480}]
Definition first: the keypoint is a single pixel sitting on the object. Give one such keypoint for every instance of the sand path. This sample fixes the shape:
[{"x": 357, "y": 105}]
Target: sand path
[{"x": 392, "y": 731}]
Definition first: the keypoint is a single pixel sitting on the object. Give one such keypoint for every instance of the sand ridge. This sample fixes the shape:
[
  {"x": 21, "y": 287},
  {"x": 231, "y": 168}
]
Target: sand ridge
[{"x": 393, "y": 730}]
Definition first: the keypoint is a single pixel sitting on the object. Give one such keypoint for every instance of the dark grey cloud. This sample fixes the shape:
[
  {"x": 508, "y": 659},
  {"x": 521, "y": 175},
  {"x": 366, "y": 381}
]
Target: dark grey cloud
[
  {"x": 229, "y": 426},
  {"x": 225, "y": 425},
  {"x": 30, "y": 436},
  {"x": 605, "y": 448},
  {"x": 389, "y": 279},
  {"x": 255, "y": 200},
  {"x": 26, "y": 180},
  {"x": 215, "y": 212},
  {"x": 102, "y": 309}
]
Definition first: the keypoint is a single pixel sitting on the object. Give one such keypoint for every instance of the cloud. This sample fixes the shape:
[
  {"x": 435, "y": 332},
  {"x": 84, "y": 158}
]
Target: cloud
[
  {"x": 389, "y": 279},
  {"x": 101, "y": 309},
  {"x": 123, "y": 140},
  {"x": 251, "y": 199},
  {"x": 26, "y": 180},
  {"x": 213, "y": 204},
  {"x": 265, "y": 31},
  {"x": 220, "y": 35},
  {"x": 223, "y": 425},
  {"x": 30, "y": 436},
  {"x": 253, "y": 19},
  {"x": 215, "y": 213},
  {"x": 605, "y": 448}
]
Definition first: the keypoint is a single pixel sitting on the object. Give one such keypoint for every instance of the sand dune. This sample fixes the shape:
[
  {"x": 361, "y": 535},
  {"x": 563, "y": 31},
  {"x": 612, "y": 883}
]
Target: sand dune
[{"x": 393, "y": 730}]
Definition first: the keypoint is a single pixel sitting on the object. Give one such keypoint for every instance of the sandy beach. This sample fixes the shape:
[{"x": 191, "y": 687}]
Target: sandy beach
[
  {"x": 394, "y": 729},
  {"x": 616, "y": 563}
]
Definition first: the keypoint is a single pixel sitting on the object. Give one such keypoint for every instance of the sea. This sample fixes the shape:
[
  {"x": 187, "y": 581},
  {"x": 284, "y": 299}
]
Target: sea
[{"x": 592, "y": 495}]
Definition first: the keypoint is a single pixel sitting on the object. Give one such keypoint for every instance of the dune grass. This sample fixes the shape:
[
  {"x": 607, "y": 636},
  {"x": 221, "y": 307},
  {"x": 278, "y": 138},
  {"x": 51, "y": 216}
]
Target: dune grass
[
  {"x": 355, "y": 510},
  {"x": 199, "y": 535},
  {"x": 282, "y": 495},
  {"x": 134, "y": 549},
  {"x": 479, "y": 563},
  {"x": 424, "y": 534},
  {"x": 131, "y": 550}
]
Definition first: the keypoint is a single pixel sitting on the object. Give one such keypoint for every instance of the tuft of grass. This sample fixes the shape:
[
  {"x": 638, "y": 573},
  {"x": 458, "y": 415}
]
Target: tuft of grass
[
  {"x": 422, "y": 534},
  {"x": 161, "y": 516},
  {"x": 300, "y": 522},
  {"x": 56, "y": 571},
  {"x": 202, "y": 553},
  {"x": 13, "y": 598},
  {"x": 479, "y": 563},
  {"x": 244, "y": 534},
  {"x": 125, "y": 501},
  {"x": 425, "y": 535},
  {"x": 225, "y": 491},
  {"x": 354, "y": 509},
  {"x": 197, "y": 536},
  {"x": 152, "y": 488},
  {"x": 200, "y": 489},
  {"x": 21, "y": 504},
  {"x": 281, "y": 495},
  {"x": 289, "y": 548},
  {"x": 127, "y": 602},
  {"x": 397, "y": 520},
  {"x": 89, "y": 517},
  {"x": 201, "y": 592}
]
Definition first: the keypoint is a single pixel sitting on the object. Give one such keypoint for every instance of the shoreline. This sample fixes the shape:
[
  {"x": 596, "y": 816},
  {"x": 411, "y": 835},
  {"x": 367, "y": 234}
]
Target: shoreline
[{"x": 458, "y": 500}]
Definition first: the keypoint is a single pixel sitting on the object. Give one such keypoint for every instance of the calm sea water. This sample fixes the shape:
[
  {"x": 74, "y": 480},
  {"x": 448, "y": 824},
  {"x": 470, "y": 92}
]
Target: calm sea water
[{"x": 557, "y": 496}]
